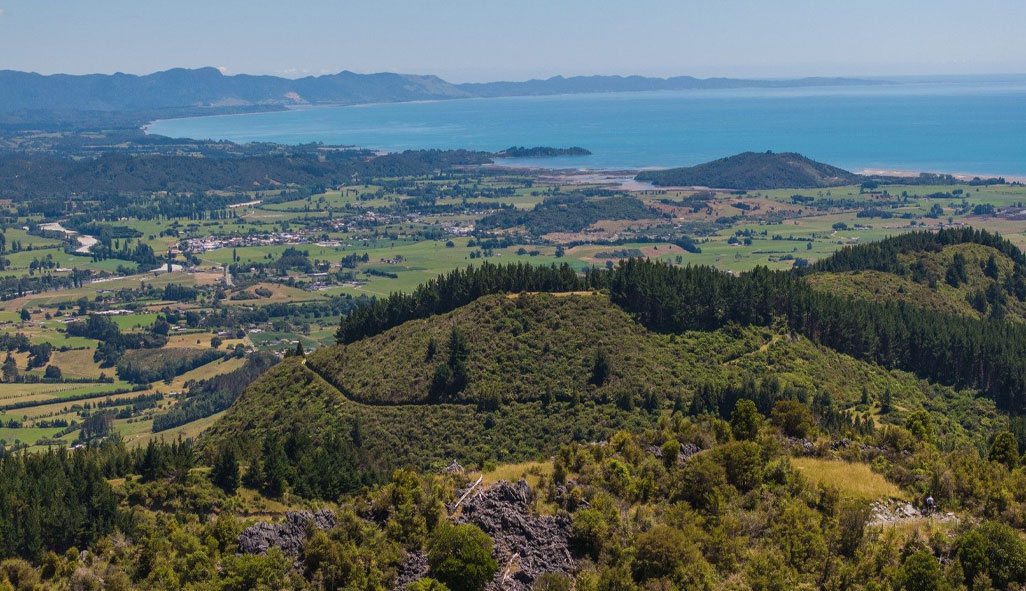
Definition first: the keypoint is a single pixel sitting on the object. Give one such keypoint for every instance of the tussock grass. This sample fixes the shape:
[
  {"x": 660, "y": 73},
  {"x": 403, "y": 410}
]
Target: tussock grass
[
  {"x": 532, "y": 472},
  {"x": 529, "y": 471},
  {"x": 853, "y": 480}
]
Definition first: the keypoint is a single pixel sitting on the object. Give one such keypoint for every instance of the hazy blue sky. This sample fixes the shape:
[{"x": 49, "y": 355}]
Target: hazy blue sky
[{"x": 515, "y": 39}]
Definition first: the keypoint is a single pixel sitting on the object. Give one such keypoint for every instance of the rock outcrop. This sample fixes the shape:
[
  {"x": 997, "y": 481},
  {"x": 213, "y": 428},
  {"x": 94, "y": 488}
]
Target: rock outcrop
[
  {"x": 894, "y": 512},
  {"x": 528, "y": 545},
  {"x": 415, "y": 567},
  {"x": 288, "y": 535}
]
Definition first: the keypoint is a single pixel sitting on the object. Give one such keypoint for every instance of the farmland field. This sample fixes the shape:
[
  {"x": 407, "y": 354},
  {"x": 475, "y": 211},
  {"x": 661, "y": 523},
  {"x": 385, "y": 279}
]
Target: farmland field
[{"x": 280, "y": 269}]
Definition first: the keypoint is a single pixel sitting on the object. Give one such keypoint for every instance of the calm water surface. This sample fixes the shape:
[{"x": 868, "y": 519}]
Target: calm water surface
[{"x": 950, "y": 127}]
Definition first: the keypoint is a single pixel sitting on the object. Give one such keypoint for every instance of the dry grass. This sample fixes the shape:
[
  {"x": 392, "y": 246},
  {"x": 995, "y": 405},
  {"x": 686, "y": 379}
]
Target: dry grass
[
  {"x": 208, "y": 278},
  {"x": 279, "y": 293},
  {"x": 529, "y": 471},
  {"x": 587, "y": 252},
  {"x": 922, "y": 528},
  {"x": 199, "y": 340},
  {"x": 78, "y": 363},
  {"x": 19, "y": 390},
  {"x": 853, "y": 480}
]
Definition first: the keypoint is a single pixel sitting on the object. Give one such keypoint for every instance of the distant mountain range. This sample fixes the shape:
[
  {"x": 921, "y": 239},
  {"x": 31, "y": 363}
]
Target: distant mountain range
[{"x": 208, "y": 87}]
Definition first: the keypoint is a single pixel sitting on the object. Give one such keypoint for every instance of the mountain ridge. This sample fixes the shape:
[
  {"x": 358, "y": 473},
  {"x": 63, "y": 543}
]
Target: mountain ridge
[{"x": 209, "y": 87}]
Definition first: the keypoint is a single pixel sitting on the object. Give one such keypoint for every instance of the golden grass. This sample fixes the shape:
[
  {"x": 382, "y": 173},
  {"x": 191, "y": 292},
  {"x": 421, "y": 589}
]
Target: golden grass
[
  {"x": 19, "y": 390},
  {"x": 78, "y": 363},
  {"x": 853, "y": 480},
  {"x": 923, "y": 528},
  {"x": 210, "y": 370},
  {"x": 208, "y": 278},
  {"x": 280, "y": 293},
  {"x": 529, "y": 471},
  {"x": 252, "y": 503}
]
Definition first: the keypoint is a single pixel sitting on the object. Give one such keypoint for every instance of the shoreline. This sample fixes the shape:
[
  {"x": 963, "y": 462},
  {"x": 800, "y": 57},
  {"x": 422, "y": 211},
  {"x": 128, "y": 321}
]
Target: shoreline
[
  {"x": 625, "y": 176},
  {"x": 962, "y": 176},
  {"x": 873, "y": 82}
]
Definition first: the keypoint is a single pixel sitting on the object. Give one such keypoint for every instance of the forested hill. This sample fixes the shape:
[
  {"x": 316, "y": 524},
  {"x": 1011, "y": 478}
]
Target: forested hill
[
  {"x": 478, "y": 363},
  {"x": 754, "y": 170},
  {"x": 209, "y": 87},
  {"x": 980, "y": 278},
  {"x": 514, "y": 377},
  {"x": 44, "y": 175},
  {"x": 541, "y": 152},
  {"x": 963, "y": 352}
]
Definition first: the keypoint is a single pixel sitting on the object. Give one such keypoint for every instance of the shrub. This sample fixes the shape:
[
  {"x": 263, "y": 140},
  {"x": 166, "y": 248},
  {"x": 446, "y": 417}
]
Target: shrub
[
  {"x": 745, "y": 420},
  {"x": 792, "y": 418},
  {"x": 1005, "y": 450},
  {"x": 461, "y": 557},
  {"x": 427, "y": 583},
  {"x": 922, "y": 572},
  {"x": 798, "y": 533},
  {"x": 593, "y": 526},
  {"x": 996, "y": 550},
  {"x": 551, "y": 582},
  {"x": 742, "y": 461},
  {"x": 700, "y": 482},
  {"x": 670, "y": 450},
  {"x": 661, "y": 552}
]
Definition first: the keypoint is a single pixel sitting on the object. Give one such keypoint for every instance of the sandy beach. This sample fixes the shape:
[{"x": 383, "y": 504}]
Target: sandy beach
[{"x": 962, "y": 176}]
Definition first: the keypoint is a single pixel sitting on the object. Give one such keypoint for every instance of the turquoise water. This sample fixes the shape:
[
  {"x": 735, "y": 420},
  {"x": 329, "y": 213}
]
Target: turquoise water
[{"x": 944, "y": 127}]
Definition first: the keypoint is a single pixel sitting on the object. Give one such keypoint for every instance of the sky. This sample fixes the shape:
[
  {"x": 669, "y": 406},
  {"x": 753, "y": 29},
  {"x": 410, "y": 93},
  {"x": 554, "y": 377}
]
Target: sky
[{"x": 484, "y": 40}]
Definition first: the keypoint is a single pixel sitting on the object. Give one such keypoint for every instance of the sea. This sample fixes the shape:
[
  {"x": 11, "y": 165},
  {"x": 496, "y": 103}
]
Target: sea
[{"x": 966, "y": 126}]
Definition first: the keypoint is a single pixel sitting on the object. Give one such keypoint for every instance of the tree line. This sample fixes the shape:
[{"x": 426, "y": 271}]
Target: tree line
[
  {"x": 958, "y": 351},
  {"x": 33, "y": 176},
  {"x": 458, "y": 288},
  {"x": 989, "y": 355},
  {"x": 215, "y": 394}
]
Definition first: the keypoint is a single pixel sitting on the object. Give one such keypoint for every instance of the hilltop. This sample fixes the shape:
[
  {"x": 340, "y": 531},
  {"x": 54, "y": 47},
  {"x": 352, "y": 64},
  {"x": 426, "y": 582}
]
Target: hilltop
[
  {"x": 530, "y": 384},
  {"x": 754, "y": 170},
  {"x": 970, "y": 280}
]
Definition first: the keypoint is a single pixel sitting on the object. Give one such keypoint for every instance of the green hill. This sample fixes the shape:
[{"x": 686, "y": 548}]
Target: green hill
[
  {"x": 518, "y": 347},
  {"x": 476, "y": 366},
  {"x": 530, "y": 388},
  {"x": 754, "y": 170},
  {"x": 922, "y": 279}
]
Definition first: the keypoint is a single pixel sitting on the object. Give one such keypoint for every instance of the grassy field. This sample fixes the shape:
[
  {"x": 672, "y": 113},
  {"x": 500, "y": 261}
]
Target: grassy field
[
  {"x": 128, "y": 322},
  {"x": 852, "y": 480}
]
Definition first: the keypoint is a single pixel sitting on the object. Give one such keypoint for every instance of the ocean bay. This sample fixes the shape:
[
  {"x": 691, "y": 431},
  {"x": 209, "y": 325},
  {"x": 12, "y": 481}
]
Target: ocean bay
[{"x": 944, "y": 127}]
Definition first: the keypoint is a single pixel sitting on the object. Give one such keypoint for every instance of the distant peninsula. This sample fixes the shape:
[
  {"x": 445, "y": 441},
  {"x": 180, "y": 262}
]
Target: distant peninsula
[
  {"x": 754, "y": 170},
  {"x": 209, "y": 88},
  {"x": 541, "y": 152}
]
